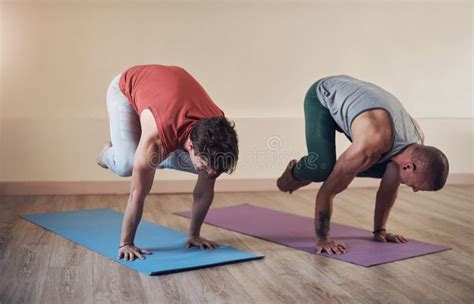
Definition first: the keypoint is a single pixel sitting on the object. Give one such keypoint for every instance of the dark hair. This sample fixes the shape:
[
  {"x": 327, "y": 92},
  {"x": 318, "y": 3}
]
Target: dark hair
[
  {"x": 215, "y": 140},
  {"x": 436, "y": 163}
]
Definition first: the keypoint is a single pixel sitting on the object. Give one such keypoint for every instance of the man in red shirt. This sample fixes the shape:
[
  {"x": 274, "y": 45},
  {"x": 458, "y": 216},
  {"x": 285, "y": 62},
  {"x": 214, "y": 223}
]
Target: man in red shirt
[{"x": 161, "y": 117}]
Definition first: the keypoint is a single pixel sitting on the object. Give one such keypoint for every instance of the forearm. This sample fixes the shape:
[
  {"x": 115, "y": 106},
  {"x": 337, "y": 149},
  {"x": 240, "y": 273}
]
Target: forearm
[
  {"x": 383, "y": 205},
  {"x": 322, "y": 217},
  {"x": 131, "y": 219},
  {"x": 199, "y": 211},
  {"x": 354, "y": 160}
]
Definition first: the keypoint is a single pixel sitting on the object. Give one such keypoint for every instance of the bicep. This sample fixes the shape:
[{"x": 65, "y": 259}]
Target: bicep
[
  {"x": 144, "y": 163},
  {"x": 354, "y": 160}
]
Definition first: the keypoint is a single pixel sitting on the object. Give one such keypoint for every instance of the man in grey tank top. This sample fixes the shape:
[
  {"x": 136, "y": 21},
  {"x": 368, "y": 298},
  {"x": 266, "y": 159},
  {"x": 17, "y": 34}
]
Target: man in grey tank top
[{"x": 387, "y": 143}]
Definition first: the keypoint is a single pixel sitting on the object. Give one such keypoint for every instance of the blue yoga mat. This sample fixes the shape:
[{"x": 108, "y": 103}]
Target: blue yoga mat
[{"x": 99, "y": 231}]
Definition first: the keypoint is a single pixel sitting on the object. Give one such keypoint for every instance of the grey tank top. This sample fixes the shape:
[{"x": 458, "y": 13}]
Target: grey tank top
[{"x": 346, "y": 98}]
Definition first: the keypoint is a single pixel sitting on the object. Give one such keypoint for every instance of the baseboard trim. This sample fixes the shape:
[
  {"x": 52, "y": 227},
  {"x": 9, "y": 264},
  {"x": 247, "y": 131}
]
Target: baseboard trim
[{"x": 179, "y": 186}]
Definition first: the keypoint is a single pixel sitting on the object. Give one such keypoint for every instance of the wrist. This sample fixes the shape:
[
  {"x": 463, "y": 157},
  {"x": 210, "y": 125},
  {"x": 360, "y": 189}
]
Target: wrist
[
  {"x": 123, "y": 244},
  {"x": 379, "y": 230},
  {"x": 194, "y": 232},
  {"x": 322, "y": 238}
]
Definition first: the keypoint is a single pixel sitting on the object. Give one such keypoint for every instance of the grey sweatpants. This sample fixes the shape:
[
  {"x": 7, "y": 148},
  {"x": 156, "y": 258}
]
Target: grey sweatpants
[{"x": 125, "y": 134}]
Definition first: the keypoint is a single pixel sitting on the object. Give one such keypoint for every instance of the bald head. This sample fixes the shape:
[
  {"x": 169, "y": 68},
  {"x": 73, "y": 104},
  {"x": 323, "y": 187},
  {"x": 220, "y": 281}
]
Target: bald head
[{"x": 433, "y": 164}]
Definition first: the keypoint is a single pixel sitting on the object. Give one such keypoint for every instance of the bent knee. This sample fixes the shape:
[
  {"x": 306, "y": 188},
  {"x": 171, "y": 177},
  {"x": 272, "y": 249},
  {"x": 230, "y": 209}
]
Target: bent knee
[
  {"x": 323, "y": 175},
  {"x": 124, "y": 169},
  {"x": 321, "y": 172}
]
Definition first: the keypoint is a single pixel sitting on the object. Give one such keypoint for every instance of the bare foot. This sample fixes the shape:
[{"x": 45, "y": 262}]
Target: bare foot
[
  {"x": 105, "y": 147},
  {"x": 287, "y": 183}
]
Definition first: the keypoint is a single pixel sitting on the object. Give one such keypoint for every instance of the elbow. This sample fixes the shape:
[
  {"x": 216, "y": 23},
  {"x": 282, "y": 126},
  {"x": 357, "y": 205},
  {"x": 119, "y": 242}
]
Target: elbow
[
  {"x": 338, "y": 189},
  {"x": 202, "y": 196},
  {"x": 329, "y": 194},
  {"x": 372, "y": 156},
  {"x": 365, "y": 156},
  {"x": 198, "y": 193},
  {"x": 137, "y": 196},
  {"x": 369, "y": 159},
  {"x": 197, "y": 196}
]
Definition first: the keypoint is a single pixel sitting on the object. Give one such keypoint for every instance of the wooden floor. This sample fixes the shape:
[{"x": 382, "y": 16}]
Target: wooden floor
[{"x": 37, "y": 266}]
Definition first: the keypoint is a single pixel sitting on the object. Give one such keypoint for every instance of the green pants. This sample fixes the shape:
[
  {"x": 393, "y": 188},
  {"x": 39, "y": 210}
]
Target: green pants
[{"x": 320, "y": 129}]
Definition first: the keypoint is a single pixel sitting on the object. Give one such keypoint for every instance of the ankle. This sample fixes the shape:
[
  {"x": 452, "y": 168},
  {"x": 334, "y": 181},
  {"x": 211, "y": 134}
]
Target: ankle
[{"x": 292, "y": 175}]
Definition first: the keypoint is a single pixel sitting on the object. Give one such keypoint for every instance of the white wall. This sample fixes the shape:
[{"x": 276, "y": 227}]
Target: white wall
[{"x": 255, "y": 59}]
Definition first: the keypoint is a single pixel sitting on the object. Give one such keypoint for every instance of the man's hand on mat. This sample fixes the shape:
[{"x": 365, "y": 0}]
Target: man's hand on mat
[
  {"x": 331, "y": 247},
  {"x": 130, "y": 252},
  {"x": 200, "y": 242},
  {"x": 389, "y": 237}
]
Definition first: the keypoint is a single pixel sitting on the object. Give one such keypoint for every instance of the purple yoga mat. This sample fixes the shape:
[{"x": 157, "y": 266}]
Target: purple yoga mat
[{"x": 298, "y": 232}]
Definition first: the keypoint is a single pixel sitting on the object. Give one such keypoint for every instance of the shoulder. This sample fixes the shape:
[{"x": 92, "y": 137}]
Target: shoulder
[{"x": 373, "y": 131}]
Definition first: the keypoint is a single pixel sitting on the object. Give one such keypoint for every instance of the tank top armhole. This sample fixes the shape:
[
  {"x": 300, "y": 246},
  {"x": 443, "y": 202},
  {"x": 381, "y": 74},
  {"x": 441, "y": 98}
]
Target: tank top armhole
[{"x": 416, "y": 130}]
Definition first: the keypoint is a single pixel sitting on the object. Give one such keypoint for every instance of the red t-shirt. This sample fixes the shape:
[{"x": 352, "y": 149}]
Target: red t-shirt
[{"x": 176, "y": 100}]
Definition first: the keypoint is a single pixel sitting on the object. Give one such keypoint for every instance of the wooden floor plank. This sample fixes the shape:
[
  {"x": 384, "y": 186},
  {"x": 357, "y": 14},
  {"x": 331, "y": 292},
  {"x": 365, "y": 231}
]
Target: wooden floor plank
[
  {"x": 24, "y": 270},
  {"x": 69, "y": 266}
]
